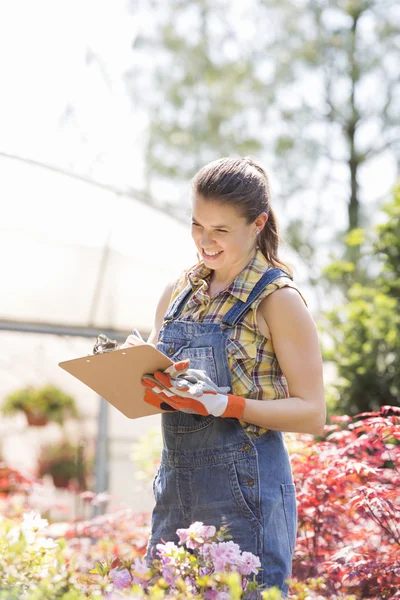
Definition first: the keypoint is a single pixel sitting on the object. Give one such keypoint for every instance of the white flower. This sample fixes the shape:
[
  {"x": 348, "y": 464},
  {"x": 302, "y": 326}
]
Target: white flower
[
  {"x": 14, "y": 534},
  {"x": 33, "y": 522},
  {"x": 42, "y": 543}
]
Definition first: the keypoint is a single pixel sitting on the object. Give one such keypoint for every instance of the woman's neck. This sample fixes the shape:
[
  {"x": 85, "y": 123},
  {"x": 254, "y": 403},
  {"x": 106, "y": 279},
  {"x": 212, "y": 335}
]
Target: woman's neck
[{"x": 221, "y": 278}]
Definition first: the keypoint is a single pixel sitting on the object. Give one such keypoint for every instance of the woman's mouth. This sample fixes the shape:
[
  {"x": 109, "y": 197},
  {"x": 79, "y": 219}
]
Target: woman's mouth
[{"x": 210, "y": 255}]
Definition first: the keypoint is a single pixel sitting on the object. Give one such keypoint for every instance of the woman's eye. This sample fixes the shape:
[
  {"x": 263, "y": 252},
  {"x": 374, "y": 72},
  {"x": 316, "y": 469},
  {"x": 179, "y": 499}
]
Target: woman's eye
[
  {"x": 195, "y": 224},
  {"x": 221, "y": 231}
]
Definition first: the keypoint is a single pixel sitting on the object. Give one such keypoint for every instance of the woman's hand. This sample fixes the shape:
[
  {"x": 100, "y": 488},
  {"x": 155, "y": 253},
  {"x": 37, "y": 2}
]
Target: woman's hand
[
  {"x": 134, "y": 339},
  {"x": 192, "y": 392},
  {"x": 178, "y": 368}
]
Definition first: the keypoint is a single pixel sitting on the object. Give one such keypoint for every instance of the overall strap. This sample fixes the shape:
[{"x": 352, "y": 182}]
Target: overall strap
[
  {"x": 234, "y": 315},
  {"x": 175, "y": 309}
]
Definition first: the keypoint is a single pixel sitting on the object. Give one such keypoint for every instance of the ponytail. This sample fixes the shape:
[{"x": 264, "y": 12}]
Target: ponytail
[{"x": 268, "y": 242}]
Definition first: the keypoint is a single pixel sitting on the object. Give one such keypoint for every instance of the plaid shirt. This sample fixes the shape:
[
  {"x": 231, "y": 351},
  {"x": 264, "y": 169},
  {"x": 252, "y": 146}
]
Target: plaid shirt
[{"x": 255, "y": 370}]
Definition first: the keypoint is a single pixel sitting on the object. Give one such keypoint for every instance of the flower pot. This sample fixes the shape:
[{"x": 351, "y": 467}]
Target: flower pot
[
  {"x": 36, "y": 419},
  {"x": 60, "y": 480}
]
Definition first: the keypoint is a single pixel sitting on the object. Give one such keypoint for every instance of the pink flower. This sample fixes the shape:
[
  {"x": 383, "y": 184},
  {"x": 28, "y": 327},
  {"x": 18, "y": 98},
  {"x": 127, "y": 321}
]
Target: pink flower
[
  {"x": 170, "y": 575},
  {"x": 248, "y": 563},
  {"x": 121, "y": 579},
  {"x": 196, "y": 534},
  {"x": 166, "y": 551},
  {"x": 210, "y": 594},
  {"x": 139, "y": 571},
  {"x": 225, "y": 556}
]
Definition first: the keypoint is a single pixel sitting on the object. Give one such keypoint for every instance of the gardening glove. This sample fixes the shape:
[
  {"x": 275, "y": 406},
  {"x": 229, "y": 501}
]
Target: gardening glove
[
  {"x": 156, "y": 400},
  {"x": 192, "y": 391}
]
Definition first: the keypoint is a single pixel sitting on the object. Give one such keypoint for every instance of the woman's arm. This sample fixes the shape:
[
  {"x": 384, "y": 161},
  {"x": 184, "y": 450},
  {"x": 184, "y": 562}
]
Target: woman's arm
[
  {"x": 162, "y": 306},
  {"x": 296, "y": 346},
  {"x": 161, "y": 309}
]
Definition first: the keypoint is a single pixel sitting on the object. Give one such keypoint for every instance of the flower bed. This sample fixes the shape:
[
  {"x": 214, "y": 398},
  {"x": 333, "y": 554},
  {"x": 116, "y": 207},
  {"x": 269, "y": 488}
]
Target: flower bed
[{"x": 348, "y": 544}]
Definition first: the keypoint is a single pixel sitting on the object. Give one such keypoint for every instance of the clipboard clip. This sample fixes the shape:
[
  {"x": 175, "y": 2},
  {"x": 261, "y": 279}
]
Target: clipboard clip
[{"x": 104, "y": 344}]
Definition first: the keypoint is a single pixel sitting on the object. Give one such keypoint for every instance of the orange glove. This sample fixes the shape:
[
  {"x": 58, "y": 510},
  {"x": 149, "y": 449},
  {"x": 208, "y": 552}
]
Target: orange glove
[
  {"x": 158, "y": 401},
  {"x": 191, "y": 391}
]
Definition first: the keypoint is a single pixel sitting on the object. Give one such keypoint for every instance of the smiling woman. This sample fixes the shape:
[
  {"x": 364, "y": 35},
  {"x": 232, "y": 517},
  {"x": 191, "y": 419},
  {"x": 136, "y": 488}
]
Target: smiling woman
[
  {"x": 227, "y": 247},
  {"x": 235, "y": 321}
]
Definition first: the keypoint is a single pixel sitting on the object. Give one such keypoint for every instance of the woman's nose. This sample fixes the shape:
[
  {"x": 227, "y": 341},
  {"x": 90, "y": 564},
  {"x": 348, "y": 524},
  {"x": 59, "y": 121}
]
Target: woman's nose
[{"x": 205, "y": 238}]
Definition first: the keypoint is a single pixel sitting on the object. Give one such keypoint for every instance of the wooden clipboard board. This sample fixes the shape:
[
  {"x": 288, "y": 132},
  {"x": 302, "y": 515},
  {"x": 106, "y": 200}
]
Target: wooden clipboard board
[{"x": 116, "y": 376}]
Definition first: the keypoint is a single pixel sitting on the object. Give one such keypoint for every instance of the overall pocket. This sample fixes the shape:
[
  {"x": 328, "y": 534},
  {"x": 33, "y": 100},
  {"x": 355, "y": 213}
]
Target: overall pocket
[
  {"x": 244, "y": 482},
  {"x": 200, "y": 358},
  {"x": 290, "y": 510}
]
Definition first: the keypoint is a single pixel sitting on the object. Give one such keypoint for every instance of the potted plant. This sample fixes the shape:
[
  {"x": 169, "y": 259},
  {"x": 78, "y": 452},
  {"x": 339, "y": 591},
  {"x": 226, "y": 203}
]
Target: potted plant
[
  {"x": 41, "y": 405},
  {"x": 64, "y": 462}
]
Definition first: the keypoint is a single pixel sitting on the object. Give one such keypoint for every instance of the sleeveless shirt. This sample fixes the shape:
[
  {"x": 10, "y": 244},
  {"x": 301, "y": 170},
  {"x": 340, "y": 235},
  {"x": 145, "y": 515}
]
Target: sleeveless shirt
[{"x": 255, "y": 370}]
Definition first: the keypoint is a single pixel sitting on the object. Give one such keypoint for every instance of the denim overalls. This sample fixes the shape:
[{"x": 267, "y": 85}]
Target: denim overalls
[{"x": 211, "y": 470}]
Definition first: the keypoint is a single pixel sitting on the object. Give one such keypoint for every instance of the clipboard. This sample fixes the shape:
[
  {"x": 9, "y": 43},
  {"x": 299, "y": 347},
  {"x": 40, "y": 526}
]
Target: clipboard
[{"x": 116, "y": 376}]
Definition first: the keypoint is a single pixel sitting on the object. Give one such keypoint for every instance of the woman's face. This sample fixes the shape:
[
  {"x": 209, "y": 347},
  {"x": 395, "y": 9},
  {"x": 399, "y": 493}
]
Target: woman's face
[{"x": 222, "y": 235}]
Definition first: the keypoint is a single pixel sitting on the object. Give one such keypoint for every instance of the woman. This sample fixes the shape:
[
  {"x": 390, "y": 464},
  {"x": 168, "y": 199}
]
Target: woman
[{"x": 238, "y": 316}]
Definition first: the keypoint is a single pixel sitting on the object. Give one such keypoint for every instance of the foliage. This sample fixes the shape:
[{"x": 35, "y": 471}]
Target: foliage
[
  {"x": 47, "y": 400},
  {"x": 146, "y": 454},
  {"x": 61, "y": 460},
  {"x": 365, "y": 332},
  {"x": 199, "y": 90},
  {"x": 123, "y": 533},
  {"x": 12, "y": 481},
  {"x": 349, "y": 507},
  {"x": 348, "y": 546},
  {"x": 32, "y": 565},
  {"x": 202, "y": 566},
  {"x": 338, "y": 50},
  {"x": 286, "y": 81}
]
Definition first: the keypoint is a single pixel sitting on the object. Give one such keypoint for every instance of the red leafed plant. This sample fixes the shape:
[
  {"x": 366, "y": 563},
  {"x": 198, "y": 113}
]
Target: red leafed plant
[
  {"x": 349, "y": 505},
  {"x": 12, "y": 481},
  {"x": 120, "y": 534}
]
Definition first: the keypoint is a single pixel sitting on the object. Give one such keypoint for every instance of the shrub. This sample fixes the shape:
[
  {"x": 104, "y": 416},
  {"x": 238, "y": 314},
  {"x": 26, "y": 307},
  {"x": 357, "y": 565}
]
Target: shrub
[
  {"x": 65, "y": 462},
  {"x": 40, "y": 405},
  {"x": 349, "y": 506}
]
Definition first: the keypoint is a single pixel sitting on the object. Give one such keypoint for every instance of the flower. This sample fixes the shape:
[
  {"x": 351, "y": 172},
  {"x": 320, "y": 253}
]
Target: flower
[
  {"x": 248, "y": 563},
  {"x": 167, "y": 549},
  {"x": 196, "y": 535},
  {"x": 42, "y": 543},
  {"x": 223, "y": 596},
  {"x": 33, "y": 522},
  {"x": 140, "y": 571},
  {"x": 225, "y": 556},
  {"x": 121, "y": 579}
]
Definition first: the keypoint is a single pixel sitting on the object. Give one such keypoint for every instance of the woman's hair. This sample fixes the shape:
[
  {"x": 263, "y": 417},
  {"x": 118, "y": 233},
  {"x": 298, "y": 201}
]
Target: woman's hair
[{"x": 243, "y": 183}]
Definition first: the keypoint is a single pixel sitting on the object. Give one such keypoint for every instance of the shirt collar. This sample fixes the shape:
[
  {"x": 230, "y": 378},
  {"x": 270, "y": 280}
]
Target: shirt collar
[{"x": 243, "y": 283}]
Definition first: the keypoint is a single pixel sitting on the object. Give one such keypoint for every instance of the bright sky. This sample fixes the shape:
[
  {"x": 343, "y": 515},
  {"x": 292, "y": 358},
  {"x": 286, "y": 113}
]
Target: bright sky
[{"x": 43, "y": 49}]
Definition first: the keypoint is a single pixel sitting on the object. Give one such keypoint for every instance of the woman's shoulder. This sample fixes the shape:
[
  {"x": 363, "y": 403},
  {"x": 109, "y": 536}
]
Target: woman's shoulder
[{"x": 281, "y": 282}]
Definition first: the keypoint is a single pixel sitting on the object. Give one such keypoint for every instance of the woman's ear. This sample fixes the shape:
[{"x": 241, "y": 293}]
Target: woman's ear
[{"x": 260, "y": 222}]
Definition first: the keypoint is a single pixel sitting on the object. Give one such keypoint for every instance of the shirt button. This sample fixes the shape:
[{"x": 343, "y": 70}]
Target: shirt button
[
  {"x": 170, "y": 350},
  {"x": 251, "y": 483},
  {"x": 246, "y": 448}
]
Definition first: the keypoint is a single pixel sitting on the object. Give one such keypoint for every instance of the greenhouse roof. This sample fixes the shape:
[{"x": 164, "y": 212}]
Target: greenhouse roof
[{"x": 82, "y": 255}]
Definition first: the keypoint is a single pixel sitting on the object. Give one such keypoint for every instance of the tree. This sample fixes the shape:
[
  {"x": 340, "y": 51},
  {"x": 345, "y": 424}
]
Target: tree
[
  {"x": 309, "y": 86},
  {"x": 346, "y": 54},
  {"x": 202, "y": 88},
  {"x": 365, "y": 332}
]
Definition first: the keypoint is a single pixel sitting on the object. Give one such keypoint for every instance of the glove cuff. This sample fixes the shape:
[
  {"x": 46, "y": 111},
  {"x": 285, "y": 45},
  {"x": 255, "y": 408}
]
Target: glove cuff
[{"x": 235, "y": 407}]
